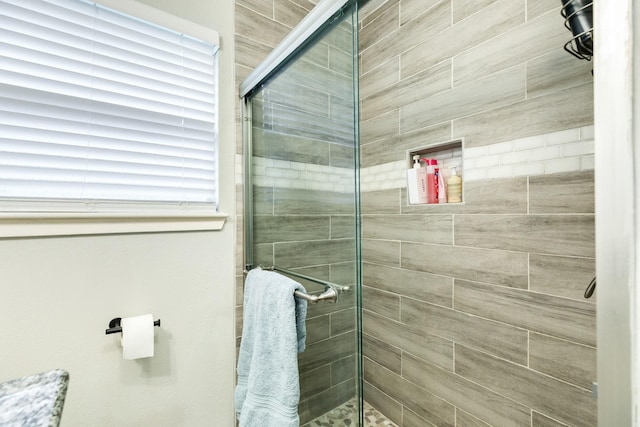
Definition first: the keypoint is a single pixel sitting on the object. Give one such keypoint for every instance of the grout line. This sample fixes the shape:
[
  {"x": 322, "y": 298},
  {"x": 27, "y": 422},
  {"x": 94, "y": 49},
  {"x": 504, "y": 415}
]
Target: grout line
[
  {"x": 528, "y": 271},
  {"x": 453, "y": 293},
  {"x": 451, "y": 13},
  {"x": 453, "y": 358},
  {"x": 528, "y": 196},
  {"x": 531, "y": 416},
  {"x": 528, "y": 349},
  {"x": 451, "y": 82}
]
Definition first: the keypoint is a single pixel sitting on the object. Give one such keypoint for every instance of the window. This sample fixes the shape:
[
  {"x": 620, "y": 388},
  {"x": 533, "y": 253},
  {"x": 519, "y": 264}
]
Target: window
[{"x": 104, "y": 112}]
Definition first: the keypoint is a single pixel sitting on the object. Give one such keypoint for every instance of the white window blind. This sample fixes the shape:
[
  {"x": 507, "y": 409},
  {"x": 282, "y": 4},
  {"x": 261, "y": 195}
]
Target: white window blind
[{"x": 97, "y": 106}]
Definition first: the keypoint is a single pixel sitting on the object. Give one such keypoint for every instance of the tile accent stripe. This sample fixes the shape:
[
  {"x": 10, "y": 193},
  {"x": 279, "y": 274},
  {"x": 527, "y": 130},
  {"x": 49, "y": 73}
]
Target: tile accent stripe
[
  {"x": 288, "y": 174},
  {"x": 565, "y": 151}
]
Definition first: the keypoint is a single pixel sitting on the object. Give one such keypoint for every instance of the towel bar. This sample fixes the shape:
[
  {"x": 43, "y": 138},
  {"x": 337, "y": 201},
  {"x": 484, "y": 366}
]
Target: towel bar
[{"x": 329, "y": 294}]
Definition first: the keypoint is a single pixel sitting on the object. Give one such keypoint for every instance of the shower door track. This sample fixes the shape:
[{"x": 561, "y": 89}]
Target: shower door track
[{"x": 319, "y": 16}]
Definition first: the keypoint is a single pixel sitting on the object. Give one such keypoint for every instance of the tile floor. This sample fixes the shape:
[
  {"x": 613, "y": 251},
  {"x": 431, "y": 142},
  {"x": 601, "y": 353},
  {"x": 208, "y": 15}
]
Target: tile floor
[{"x": 347, "y": 415}]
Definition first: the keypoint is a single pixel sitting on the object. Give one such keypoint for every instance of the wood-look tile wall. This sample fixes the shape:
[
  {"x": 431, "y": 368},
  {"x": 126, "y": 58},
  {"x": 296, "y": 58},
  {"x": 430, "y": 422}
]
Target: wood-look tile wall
[
  {"x": 474, "y": 314},
  {"x": 486, "y": 71},
  {"x": 491, "y": 318}
]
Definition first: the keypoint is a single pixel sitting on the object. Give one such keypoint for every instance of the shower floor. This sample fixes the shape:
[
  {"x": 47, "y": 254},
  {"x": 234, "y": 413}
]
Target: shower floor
[{"x": 346, "y": 415}]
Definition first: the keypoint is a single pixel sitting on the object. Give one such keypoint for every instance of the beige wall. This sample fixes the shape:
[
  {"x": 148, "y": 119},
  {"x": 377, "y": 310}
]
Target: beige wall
[{"x": 58, "y": 295}]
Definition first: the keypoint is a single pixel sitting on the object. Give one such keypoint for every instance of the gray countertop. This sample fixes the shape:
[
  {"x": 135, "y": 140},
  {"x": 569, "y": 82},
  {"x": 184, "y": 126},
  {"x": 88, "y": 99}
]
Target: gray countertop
[{"x": 33, "y": 401}]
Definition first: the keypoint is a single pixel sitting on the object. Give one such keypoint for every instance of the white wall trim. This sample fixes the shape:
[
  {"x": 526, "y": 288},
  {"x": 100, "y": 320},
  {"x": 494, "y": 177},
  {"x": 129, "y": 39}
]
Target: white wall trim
[
  {"x": 617, "y": 120},
  {"x": 72, "y": 224}
]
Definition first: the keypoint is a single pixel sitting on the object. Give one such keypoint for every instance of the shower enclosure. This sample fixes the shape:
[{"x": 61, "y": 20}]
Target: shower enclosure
[
  {"x": 474, "y": 312},
  {"x": 302, "y": 201}
]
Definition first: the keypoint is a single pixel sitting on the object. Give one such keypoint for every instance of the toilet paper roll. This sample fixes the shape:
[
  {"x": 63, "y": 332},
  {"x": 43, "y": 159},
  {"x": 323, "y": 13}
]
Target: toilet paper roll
[{"x": 137, "y": 337}]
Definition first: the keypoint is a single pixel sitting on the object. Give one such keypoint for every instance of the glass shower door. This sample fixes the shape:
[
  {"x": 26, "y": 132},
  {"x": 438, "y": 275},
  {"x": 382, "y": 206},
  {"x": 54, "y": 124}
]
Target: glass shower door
[{"x": 305, "y": 205}]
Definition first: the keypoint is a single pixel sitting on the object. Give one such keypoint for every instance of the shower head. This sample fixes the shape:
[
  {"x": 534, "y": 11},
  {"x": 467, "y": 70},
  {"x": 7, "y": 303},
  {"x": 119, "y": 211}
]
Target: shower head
[{"x": 578, "y": 18}]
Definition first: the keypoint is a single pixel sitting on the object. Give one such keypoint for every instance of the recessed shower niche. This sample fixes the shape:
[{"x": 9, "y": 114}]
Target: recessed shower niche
[{"x": 434, "y": 181}]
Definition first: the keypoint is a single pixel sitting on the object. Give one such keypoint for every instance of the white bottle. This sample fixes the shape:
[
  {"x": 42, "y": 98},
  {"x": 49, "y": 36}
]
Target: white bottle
[
  {"x": 454, "y": 187},
  {"x": 417, "y": 182}
]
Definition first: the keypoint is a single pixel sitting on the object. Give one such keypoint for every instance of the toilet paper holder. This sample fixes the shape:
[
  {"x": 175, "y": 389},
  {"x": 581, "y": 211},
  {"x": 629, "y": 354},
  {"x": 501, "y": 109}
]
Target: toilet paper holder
[{"x": 114, "y": 325}]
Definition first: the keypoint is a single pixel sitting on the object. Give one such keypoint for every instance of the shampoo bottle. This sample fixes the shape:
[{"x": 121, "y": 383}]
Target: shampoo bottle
[
  {"x": 417, "y": 182},
  {"x": 454, "y": 187}
]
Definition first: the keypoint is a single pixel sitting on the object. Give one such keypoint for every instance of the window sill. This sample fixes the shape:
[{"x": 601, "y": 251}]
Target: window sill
[{"x": 74, "y": 224}]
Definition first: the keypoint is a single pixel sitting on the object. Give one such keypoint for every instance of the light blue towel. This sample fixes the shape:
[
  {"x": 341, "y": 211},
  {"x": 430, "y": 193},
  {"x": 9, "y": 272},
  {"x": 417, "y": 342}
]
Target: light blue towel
[{"x": 273, "y": 332}]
